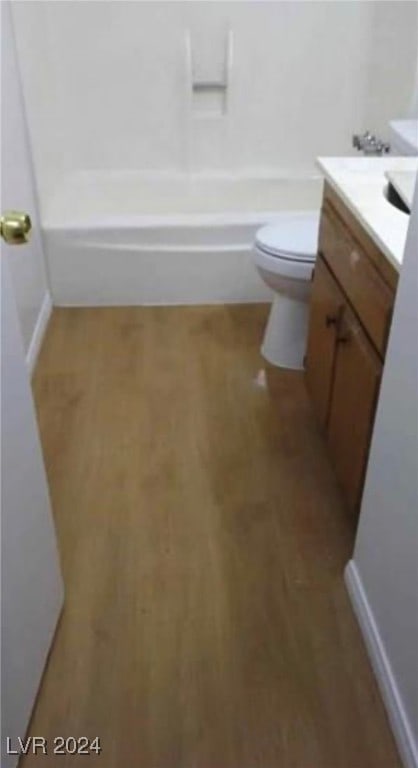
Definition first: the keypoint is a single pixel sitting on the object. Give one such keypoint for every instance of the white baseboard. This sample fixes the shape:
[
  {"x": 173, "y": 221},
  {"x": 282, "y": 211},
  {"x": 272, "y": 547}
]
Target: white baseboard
[
  {"x": 38, "y": 333},
  {"x": 382, "y": 668}
]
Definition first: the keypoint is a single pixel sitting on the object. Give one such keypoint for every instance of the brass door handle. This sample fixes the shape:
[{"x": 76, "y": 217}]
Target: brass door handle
[{"x": 15, "y": 227}]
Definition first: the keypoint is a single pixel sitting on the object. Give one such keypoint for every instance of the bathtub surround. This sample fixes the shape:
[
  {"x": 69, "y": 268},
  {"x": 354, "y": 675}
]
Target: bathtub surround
[
  {"x": 209, "y": 67},
  {"x": 282, "y": 90},
  {"x": 208, "y": 73},
  {"x": 385, "y": 57},
  {"x": 295, "y": 90}
]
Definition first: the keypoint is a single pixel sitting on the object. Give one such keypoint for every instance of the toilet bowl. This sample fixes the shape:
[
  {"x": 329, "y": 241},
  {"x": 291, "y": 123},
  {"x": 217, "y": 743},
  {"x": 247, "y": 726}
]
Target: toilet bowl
[{"x": 284, "y": 254}]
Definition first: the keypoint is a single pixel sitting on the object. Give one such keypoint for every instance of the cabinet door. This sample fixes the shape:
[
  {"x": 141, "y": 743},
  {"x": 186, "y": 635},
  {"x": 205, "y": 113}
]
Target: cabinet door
[
  {"x": 326, "y": 306},
  {"x": 357, "y": 373},
  {"x": 368, "y": 294}
]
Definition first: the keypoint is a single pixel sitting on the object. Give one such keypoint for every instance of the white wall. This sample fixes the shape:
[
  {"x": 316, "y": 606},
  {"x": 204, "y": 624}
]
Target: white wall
[
  {"x": 18, "y": 192},
  {"x": 392, "y": 89},
  {"x": 383, "y": 576},
  {"x": 106, "y": 87}
]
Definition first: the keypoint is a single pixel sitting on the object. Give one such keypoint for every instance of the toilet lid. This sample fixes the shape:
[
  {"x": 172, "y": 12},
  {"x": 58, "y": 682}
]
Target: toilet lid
[{"x": 293, "y": 237}]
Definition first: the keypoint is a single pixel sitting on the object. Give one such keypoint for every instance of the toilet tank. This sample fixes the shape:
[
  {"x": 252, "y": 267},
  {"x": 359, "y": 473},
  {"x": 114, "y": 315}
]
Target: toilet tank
[{"x": 404, "y": 137}]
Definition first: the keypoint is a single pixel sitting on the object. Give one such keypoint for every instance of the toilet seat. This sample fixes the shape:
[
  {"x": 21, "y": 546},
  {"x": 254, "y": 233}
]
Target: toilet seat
[
  {"x": 288, "y": 247},
  {"x": 295, "y": 236}
]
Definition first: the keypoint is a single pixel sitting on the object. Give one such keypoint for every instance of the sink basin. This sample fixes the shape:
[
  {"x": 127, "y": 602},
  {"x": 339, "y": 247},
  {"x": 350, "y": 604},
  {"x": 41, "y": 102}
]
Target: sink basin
[{"x": 395, "y": 199}]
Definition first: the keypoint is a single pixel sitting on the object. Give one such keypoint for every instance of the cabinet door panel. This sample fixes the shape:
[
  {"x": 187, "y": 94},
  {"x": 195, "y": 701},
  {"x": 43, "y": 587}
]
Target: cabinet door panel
[
  {"x": 355, "y": 389},
  {"x": 369, "y": 295},
  {"x": 326, "y": 305}
]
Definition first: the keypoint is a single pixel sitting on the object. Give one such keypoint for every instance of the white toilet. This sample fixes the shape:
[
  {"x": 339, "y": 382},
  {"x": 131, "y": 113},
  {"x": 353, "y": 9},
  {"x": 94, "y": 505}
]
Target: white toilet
[{"x": 284, "y": 254}]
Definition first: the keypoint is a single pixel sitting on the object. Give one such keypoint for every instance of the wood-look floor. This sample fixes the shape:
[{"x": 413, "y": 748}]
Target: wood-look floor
[{"x": 202, "y": 539}]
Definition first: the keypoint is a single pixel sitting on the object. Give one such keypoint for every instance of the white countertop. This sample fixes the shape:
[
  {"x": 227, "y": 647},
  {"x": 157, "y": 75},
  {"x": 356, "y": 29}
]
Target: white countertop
[{"x": 360, "y": 182}]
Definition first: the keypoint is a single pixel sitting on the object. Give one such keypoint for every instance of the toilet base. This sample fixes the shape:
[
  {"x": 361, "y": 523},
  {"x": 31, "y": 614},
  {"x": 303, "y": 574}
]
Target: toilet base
[{"x": 284, "y": 342}]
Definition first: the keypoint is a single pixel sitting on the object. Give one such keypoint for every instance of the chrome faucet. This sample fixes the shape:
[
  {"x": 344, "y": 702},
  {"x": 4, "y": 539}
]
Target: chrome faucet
[{"x": 370, "y": 145}]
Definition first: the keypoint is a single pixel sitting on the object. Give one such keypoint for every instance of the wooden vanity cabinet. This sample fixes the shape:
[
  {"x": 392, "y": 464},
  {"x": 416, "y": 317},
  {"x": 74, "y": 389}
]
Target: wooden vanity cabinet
[
  {"x": 352, "y": 406},
  {"x": 327, "y": 302},
  {"x": 350, "y": 313}
]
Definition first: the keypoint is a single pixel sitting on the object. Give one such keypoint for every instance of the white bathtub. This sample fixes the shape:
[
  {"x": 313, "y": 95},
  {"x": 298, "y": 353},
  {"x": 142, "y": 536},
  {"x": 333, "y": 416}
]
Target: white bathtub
[{"x": 136, "y": 238}]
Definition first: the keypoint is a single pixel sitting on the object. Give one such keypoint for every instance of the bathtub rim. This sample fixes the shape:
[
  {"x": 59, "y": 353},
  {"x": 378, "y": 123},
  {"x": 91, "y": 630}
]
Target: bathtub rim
[
  {"x": 190, "y": 220},
  {"x": 55, "y": 216}
]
